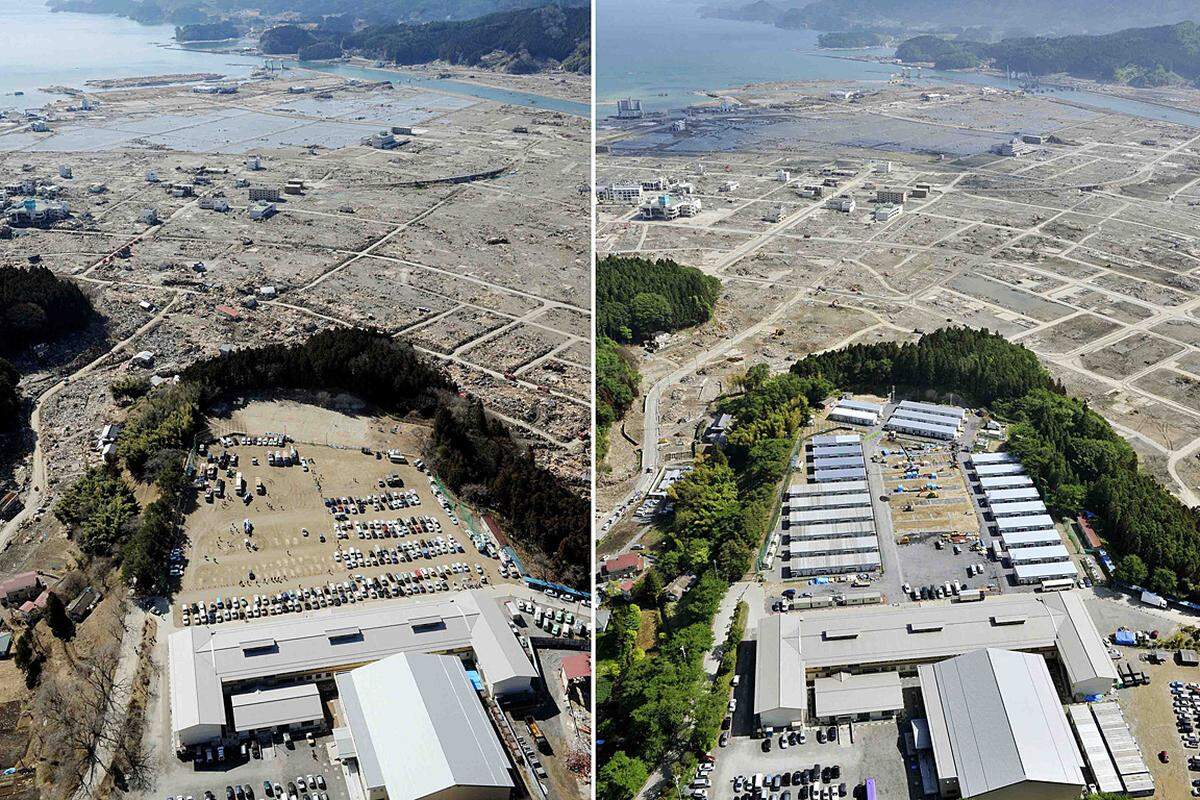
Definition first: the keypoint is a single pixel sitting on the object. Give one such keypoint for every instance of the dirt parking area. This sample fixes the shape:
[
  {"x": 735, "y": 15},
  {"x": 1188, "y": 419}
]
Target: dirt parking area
[
  {"x": 294, "y": 541},
  {"x": 1148, "y": 712}
]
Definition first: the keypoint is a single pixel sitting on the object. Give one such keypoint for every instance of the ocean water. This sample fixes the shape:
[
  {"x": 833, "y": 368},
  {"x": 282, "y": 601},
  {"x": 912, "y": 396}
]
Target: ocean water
[
  {"x": 40, "y": 48},
  {"x": 665, "y": 54}
]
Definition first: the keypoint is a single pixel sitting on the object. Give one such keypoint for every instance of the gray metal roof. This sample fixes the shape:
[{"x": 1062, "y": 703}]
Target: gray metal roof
[
  {"x": 1031, "y": 538},
  {"x": 1049, "y": 552},
  {"x": 996, "y": 717},
  {"x": 419, "y": 728},
  {"x": 779, "y": 666},
  {"x": 842, "y": 487},
  {"x": 1126, "y": 755},
  {"x": 1032, "y": 522},
  {"x": 1002, "y": 457},
  {"x": 921, "y": 428},
  {"x": 204, "y": 658},
  {"x": 848, "y": 474},
  {"x": 920, "y": 416},
  {"x": 1008, "y": 495},
  {"x": 1100, "y": 764},
  {"x": 852, "y": 415},
  {"x": 270, "y": 708},
  {"x": 837, "y": 462},
  {"x": 929, "y": 632},
  {"x": 831, "y": 530},
  {"x": 1004, "y": 481},
  {"x": 832, "y": 563},
  {"x": 847, "y": 695},
  {"x": 1080, "y": 647},
  {"x": 831, "y": 450},
  {"x": 847, "y": 544},
  {"x": 934, "y": 408},
  {"x": 1017, "y": 508},
  {"x": 992, "y": 470},
  {"x": 835, "y": 438},
  {"x": 819, "y": 515},
  {"x": 829, "y": 501},
  {"x": 1045, "y": 571},
  {"x": 860, "y": 405}
]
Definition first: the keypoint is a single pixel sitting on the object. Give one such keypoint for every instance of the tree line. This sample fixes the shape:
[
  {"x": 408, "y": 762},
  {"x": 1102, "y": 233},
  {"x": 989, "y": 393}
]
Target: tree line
[
  {"x": 637, "y": 297},
  {"x": 37, "y": 306},
  {"x": 616, "y": 387},
  {"x": 529, "y": 37},
  {"x": 473, "y": 453},
  {"x": 1075, "y": 458},
  {"x": 663, "y": 708},
  {"x": 1152, "y": 56}
]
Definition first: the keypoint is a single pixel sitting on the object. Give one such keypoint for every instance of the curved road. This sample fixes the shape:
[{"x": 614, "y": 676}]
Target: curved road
[{"x": 37, "y": 492}]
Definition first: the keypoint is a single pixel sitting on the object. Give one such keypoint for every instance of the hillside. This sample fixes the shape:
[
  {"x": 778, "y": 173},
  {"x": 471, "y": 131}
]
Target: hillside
[
  {"x": 1015, "y": 18},
  {"x": 186, "y": 12},
  {"x": 1138, "y": 56},
  {"x": 515, "y": 41}
]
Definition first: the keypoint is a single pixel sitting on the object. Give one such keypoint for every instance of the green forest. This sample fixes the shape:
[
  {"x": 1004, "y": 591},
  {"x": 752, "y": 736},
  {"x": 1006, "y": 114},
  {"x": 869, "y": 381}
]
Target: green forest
[
  {"x": 1078, "y": 462},
  {"x": 636, "y": 297},
  {"x": 530, "y": 38},
  {"x": 1155, "y": 56},
  {"x": 661, "y": 707},
  {"x": 473, "y": 453},
  {"x": 37, "y": 306},
  {"x": 616, "y": 389}
]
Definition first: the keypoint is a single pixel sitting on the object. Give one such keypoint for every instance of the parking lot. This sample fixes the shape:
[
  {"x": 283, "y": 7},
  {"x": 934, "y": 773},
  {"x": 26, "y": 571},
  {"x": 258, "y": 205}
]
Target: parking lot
[
  {"x": 279, "y": 764},
  {"x": 864, "y": 750},
  {"x": 336, "y": 515}
]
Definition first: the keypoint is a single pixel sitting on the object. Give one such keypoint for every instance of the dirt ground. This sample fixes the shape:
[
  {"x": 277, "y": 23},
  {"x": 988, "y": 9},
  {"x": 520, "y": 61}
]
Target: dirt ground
[
  {"x": 1148, "y": 712},
  {"x": 945, "y": 509},
  {"x": 281, "y": 557}
]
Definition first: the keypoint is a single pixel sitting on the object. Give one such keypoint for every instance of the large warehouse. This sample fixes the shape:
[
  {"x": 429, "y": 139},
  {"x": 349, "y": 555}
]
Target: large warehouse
[
  {"x": 780, "y": 697},
  {"x": 415, "y": 729},
  {"x": 205, "y": 664},
  {"x": 866, "y": 639},
  {"x": 997, "y": 728}
]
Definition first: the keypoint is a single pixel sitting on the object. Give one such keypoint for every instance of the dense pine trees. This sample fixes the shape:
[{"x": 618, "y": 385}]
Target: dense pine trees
[{"x": 636, "y": 297}]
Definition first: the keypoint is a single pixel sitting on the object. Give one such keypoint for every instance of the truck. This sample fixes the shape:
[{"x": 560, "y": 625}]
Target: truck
[
  {"x": 259, "y": 488},
  {"x": 239, "y": 485}
]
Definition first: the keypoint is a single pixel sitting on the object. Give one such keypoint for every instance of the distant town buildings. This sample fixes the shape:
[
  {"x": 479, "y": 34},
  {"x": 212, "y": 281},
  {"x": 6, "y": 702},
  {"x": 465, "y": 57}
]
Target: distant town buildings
[
  {"x": 629, "y": 109},
  {"x": 667, "y": 206},
  {"x": 842, "y": 203},
  {"x": 896, "y": 197},
  {"x": 887, "y": 212},
  {"x": 629, "y": 194},
  {"x": 258, "y": 194}
]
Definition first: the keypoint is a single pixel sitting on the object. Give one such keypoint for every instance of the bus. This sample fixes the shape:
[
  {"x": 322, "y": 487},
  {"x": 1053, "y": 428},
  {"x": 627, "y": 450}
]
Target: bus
[{"x": 1057, "y": 585}]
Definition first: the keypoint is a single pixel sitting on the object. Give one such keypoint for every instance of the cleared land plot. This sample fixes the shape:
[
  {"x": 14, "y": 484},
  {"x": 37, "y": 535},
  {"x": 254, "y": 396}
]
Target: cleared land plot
[
  {"x": 918, "y": 510},
  {"x": 1070, "y": 334},
  {"x": 1181, "y": 330},
  {"x": 1009, "y": 298},
  {"x": 1129, "y": 355},
  {"x": 280, "y": 556}
]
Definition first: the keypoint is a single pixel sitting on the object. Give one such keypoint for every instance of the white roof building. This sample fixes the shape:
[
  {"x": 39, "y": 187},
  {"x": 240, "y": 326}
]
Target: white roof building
[
  {"x": 998, "y": 729},
  {"x": 205, "y": 663},
  {"x": 780, "y": 694},
  {"x": 418, "y": 730}
]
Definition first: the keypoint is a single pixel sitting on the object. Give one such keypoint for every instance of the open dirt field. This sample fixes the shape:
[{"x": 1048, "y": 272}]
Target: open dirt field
[{"x": 222, "y": 560}]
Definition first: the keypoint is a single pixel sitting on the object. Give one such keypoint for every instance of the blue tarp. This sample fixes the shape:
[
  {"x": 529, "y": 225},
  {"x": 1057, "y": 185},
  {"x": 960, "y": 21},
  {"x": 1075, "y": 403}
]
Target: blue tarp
[
  {"x": 476, "y": 679},
  {"x": 1124, "y": 637}
]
